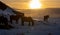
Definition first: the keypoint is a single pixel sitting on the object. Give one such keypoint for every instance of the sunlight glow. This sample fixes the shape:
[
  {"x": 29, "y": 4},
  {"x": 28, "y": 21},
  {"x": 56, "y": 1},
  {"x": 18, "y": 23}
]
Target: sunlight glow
[{"x": 35, "y": 4}]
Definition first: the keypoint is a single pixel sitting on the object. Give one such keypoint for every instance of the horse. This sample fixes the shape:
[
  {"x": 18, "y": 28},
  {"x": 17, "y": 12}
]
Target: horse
[
  {"x": 16, "y": 17},
  {"x": 3, "y": 20},
  {"x": 46, "y": 17},
  {"x": 27, "y": 19}
]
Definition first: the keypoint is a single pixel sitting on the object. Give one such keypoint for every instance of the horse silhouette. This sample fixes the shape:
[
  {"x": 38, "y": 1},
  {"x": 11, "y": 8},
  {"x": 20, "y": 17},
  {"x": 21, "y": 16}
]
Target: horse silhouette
[
  {"x": 27, "y": 19},
  {"x": 23, "y": 19},
  {"x": 16, "y": 17},
  {"x": 3, "y": 20},
  {"x": 46, "y": 17}
]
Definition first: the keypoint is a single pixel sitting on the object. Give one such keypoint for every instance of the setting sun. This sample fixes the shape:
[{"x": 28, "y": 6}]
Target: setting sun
[{"x": 35, "y": 4}]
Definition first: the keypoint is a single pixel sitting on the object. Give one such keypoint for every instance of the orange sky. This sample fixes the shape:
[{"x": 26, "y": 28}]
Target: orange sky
[{"x": 23, "y": 4}]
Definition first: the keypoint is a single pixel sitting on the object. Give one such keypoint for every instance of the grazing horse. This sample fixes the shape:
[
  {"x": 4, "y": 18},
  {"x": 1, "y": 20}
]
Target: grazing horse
[
  {"x": 16, "y": 17},
  {"x": 3, "y": 20},
  {"x": 46, "y": 17},
  {"x": 27, "y": 19}
]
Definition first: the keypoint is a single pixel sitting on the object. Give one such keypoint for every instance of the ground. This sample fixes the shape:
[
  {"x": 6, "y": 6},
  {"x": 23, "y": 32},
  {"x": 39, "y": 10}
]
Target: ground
[{"x": 50, "y": 28}]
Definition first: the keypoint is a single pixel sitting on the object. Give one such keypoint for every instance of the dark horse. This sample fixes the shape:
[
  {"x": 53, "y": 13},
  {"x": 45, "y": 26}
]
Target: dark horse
[
  {"x": 27, "y": 19},
  {"x": 16, "y": 17},
  {"x": 3, "y": 20},
  {"x": 46, "y": 17}
]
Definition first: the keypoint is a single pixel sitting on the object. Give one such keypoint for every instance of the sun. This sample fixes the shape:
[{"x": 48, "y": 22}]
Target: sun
[{"x": 35, "y": 4}]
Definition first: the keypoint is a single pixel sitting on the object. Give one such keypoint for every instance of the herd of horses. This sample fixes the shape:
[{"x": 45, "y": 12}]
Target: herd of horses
[
  {"x": 23, "y": 18},
  {"x": 4, "y": 20}
]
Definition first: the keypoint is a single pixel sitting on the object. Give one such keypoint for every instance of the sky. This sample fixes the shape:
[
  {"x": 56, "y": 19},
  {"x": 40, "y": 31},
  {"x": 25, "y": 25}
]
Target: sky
[{"x": 23, "y": 4}]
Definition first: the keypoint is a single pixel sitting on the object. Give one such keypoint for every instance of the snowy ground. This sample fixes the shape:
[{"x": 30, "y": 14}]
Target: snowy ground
[{"x": 39, "y": 28}]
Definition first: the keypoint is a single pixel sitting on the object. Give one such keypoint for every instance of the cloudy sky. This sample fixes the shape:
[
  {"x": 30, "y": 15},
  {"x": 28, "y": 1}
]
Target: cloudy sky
[{"x": 23, "y": 4}]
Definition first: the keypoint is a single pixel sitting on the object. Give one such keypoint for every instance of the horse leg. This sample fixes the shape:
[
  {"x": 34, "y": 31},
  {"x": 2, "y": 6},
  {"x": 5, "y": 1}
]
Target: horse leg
[
  {"x": 44, "y": 19},
  {"x": 5, "y": 22},
  {"x": 16, "y": 21},
  {"x": 22, "y": 22},
  {"x": 11, "y": 21},
  {"x": 29, "y": 23},
  {"x": 32, "y": 23}
]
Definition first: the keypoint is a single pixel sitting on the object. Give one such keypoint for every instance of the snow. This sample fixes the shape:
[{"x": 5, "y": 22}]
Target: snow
[{"x": 38, "y": 29}]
